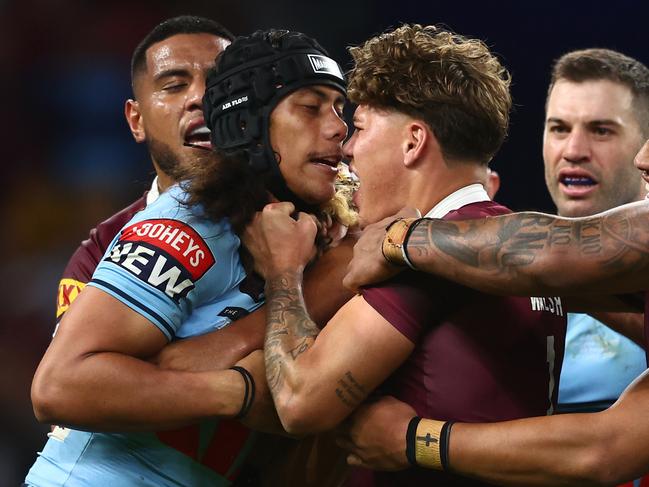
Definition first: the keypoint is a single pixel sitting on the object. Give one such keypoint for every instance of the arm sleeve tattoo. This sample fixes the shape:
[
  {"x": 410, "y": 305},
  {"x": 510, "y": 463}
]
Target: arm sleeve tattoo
[
  {"x": 529, "y": 252},
  {"x": 290, "y": 330},
  {"x": 290, "y": 333}
]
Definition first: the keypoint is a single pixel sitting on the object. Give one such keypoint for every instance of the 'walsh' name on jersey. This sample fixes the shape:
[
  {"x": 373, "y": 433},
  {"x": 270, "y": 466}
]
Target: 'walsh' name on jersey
[
  {"x": 167, "y": 254},
  {"x": 551, "y": 304}
]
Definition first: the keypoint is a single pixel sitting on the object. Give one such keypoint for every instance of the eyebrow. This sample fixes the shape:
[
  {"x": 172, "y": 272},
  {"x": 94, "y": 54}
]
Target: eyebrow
[
  {"x": 323, "y": 96},
  {"x": 169, "y": 73},
  {"x": 603, "y": 121}
]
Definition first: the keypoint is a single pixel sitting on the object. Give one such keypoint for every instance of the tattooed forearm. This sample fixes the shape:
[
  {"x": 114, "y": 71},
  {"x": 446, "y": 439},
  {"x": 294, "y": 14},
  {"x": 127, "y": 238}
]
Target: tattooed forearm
[
  {"x": 349, "y": 391},
  {"x": 290, "y": 330},
  {"x": 525, "y": 253},
  {"x": 590, "y": 237}
]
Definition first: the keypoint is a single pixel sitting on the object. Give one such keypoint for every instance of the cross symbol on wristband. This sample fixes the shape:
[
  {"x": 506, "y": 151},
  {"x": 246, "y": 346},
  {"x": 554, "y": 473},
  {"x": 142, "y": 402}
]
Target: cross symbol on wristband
[{"x": 428, "y": 439}]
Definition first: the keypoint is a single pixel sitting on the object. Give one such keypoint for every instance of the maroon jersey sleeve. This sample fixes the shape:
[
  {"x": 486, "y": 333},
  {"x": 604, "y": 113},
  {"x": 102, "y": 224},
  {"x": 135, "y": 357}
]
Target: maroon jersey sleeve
[
  {"x": 84, "y": 260},
  {"x": 412, "y": 300},
  {"x": 404, "y": 306},
  {"x": 407, "y": 302}
]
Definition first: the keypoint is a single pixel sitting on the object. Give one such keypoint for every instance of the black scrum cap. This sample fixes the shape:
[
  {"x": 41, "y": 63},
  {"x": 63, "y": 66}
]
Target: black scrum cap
[{"x": 251, "y": 77}]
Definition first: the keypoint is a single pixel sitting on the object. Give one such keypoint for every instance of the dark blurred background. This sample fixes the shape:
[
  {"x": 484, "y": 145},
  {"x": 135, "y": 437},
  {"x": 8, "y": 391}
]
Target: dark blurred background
[{"x": 69, "y": 160}]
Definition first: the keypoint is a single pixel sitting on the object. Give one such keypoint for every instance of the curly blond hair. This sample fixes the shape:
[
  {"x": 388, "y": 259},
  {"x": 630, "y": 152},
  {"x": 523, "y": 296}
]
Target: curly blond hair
[
  {"x": 454, "y": 84},
  {"x": 341, "y": 208}
]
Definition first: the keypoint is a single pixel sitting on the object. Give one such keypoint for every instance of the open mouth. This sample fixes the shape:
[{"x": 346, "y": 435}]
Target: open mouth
[
  {"x": 577, "y": 181},
  {"x": 331, "y": 161},
  {"x": 577, "y": 184},
  {"x": 199, "y": 137}
]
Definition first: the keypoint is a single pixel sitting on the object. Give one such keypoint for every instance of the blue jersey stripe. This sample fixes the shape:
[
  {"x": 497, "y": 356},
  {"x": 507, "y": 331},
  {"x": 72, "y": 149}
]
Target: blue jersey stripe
[{"x": 170, "y": 329}]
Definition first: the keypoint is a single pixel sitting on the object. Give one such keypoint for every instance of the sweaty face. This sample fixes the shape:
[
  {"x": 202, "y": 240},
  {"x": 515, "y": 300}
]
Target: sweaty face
[
  {"x": 169, "y": 99},
  {"x": 306, "y": 132},
  {"x": 591, "y": 136},
  {"x": 376, "y": 154}
]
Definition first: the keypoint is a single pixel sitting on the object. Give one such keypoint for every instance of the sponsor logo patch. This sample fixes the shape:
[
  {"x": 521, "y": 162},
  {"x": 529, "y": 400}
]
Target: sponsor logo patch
[
  {"x": 167, "y": 254},
  {"x": 234, "y": 312},
  {"x": 69, "y": 289},
  {"x": 323, "y": 64}
]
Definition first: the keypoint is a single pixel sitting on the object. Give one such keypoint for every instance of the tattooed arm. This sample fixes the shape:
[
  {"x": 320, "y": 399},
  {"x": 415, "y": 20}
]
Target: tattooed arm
[
  {"x": 220, "y": 349},
  {"x": 606, "y": 448},
  {"x": 317, "y": 379},
  {"x": 527, "y": 253}
]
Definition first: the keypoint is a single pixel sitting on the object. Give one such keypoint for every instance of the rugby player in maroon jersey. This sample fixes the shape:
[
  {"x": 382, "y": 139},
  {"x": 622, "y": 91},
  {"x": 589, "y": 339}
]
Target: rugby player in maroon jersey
[
  {"x": 433, "y": 109},
  {"x": 604, "y": 448},
  {"x": 164, "y": 118}
]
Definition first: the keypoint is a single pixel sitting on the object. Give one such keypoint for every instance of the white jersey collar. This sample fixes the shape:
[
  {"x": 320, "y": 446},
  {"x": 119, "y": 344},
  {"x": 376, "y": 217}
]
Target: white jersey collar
[
  {"x": 473, "y": 193},
  {"x": 153, "y": 193}
]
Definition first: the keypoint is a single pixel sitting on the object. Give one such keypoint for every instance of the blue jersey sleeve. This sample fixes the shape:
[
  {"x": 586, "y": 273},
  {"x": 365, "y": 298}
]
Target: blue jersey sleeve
[{"x": 167, "y": 261}]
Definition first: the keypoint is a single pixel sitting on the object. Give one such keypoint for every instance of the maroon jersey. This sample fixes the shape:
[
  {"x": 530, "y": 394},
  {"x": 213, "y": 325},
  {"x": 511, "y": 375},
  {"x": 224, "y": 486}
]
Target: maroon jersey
[
  {"x": 83, "y": 262},
  {"x": 477, "y": 357}
]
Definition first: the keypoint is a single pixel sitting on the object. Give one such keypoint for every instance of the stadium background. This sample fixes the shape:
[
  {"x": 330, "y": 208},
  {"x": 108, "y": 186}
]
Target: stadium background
[{"x": 69, "y": 161}]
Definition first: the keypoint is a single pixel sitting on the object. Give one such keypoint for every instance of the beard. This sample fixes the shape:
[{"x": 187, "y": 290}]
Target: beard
[
  {"x": 167, "y": 160},
  {"x": 176, "y": 165}
]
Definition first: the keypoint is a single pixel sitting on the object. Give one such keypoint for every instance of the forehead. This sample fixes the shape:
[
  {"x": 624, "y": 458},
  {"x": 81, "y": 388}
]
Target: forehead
[
  {"x": 590, "y": 100},
  {"x": 184, "y": 51},
  {"x": 368, "y": 114},
  {"x": 323, "y": 92}
]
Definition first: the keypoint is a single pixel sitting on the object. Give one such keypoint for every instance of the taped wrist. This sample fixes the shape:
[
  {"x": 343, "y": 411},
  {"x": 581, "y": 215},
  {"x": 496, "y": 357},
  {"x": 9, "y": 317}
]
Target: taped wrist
[
  {"x": 249, "y": 391},
  {"x": 427, "y": 443},
  {"x": 394, "y": 242}
]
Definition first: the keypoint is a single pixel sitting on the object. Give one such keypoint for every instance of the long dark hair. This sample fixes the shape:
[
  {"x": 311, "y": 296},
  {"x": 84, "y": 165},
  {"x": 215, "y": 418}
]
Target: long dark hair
[{"x": 225, "y": 186}]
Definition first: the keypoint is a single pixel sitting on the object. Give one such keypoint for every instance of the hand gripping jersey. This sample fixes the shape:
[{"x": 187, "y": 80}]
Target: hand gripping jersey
[
  {"x": 183, "y": 273},
  {"x": 477, "y": 357}
]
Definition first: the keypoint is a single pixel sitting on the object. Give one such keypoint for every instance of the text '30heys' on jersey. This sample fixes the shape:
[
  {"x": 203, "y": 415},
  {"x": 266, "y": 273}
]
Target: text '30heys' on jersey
[
  {"x": 183, "y": 273},
  {"x": 477, "y": 357}
]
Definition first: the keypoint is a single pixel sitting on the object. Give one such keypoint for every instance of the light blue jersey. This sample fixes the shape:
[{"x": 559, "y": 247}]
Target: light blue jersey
[
  {"x": 598, "y": 365},
  {"x": 183, "y": 273}
]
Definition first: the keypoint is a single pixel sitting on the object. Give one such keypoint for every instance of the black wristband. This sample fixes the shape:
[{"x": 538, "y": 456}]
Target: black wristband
[
  {"x": 411, "y": 434},
  {"x": 249, "y": 391},
  {"x": 404, "y": 247},
  {"x": 443, "y": 443}
]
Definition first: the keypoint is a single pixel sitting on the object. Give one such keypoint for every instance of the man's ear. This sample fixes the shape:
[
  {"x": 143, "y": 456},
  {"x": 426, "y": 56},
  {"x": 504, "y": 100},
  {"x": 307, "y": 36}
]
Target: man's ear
[
  {"x": 417, "y": 138},
  {"x": 134, "y": 120}
]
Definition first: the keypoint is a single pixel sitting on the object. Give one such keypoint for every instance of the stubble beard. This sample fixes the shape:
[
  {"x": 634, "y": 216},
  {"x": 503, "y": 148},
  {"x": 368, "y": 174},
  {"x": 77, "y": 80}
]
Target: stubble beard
[
  {"x": 173, "y": 164},
  {"x": 168, "y": 161}
]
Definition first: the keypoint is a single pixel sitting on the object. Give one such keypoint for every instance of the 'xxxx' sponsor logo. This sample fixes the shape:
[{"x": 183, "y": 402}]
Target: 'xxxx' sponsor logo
[
  {"x": 69, "y": 289},
  {"x": 167, "y": 254}
]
